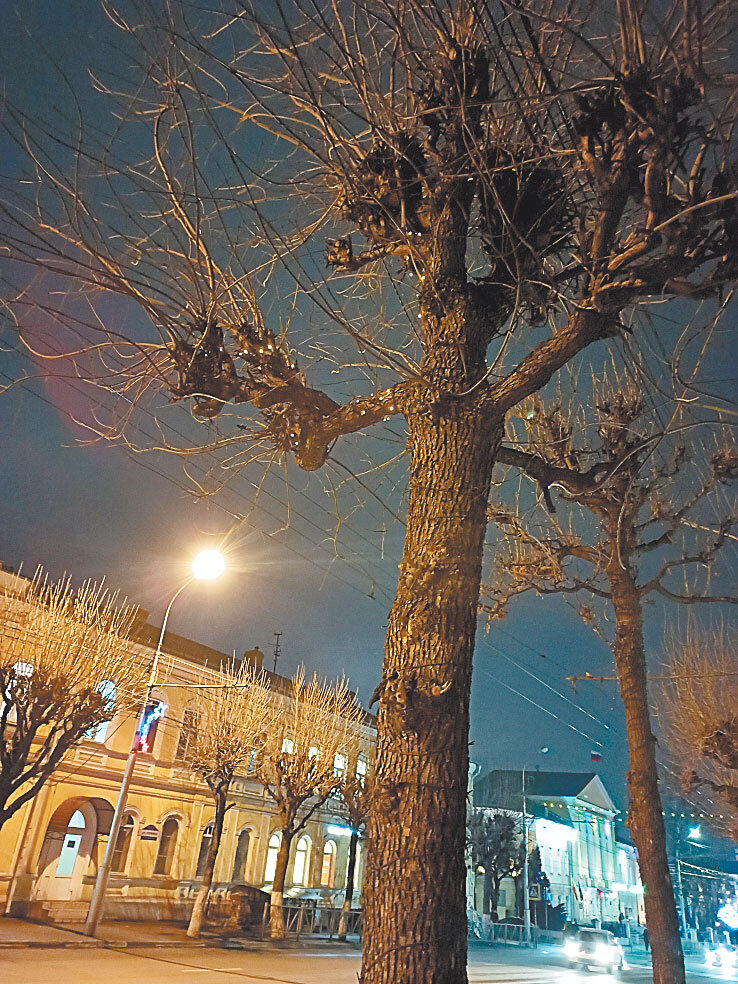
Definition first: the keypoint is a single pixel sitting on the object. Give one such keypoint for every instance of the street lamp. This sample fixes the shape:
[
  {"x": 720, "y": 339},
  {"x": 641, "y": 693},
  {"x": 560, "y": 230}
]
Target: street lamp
[
  {"x": 206, "y": 566},
  {"x": 526, "y": 886}
]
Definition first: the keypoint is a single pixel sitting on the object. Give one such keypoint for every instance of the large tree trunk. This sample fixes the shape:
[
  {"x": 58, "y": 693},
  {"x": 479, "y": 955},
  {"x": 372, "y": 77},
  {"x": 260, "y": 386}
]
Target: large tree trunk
[
  {"x": 198, "y": 909},
  {"x": 276, "y": 916},
  {"x": 414, "y": 888},
  {"x": 349, "y": 894},
  {"x": 646, "y": 821}
]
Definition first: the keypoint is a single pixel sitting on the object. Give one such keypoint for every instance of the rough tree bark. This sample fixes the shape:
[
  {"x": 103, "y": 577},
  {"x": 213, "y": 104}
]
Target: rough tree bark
[
  {"x": 415, "y": 906},
  {"x": 349, "y": 894},
  {"x": 645, "y": 818},
  {"x": 276, "y": 915},
  {"x": 198, "y": 909}
]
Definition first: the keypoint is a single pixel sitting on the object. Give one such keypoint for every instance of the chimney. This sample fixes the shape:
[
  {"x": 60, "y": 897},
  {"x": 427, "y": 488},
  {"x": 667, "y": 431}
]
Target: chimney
[{"x": 254, "y": 656}]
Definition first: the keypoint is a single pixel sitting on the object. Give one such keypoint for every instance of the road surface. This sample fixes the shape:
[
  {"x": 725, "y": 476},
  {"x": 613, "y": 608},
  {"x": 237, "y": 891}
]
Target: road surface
[{"x": 210, "y": 966}]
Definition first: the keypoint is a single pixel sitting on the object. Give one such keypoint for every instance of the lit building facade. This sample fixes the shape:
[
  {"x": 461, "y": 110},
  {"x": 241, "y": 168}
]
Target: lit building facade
[
  {"x": 571, "y": 819},
  {"x": 51, "y": 848}
]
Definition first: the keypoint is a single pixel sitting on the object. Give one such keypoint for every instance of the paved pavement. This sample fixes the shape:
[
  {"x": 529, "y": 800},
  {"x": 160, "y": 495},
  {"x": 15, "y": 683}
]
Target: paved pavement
[{"x": 173, "y": 965}]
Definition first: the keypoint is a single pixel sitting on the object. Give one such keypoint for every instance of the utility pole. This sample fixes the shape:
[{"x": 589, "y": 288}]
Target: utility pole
[{"x": 277, "y": 650}]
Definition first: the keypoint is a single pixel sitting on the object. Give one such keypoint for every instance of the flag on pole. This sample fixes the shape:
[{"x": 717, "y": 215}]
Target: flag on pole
[{"x": 596, "y": 756}]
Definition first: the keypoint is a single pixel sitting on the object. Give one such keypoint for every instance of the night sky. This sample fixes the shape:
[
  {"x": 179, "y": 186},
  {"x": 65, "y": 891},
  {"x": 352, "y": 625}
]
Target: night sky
[{"x": 97, "y": 511}]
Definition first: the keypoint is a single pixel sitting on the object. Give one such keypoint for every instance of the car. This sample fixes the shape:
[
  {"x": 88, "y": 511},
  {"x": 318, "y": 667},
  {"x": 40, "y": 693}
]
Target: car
[{"x": 594, "y": 948}]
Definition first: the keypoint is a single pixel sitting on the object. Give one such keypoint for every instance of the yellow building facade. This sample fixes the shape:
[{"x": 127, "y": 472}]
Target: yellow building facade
[{"x": 51, "y": 848}]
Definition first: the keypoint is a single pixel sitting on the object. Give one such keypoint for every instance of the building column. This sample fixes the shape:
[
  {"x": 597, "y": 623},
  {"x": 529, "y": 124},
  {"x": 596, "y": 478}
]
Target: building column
[{"x": 23, "y": 879}]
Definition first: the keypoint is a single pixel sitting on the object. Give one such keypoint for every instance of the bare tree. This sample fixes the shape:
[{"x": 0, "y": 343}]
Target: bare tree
[
  {"x": 296, "y": 764},
  {"x": 500, "y": 186},
  {"x": 698, "y": 711},
  {"x": 644, "y": 508},
  {"x": 232, "y": 718},
  {"x": 66, "y": 668},
  {"x": 355, "y": 791},
  {"x": 496, "y": 845}
]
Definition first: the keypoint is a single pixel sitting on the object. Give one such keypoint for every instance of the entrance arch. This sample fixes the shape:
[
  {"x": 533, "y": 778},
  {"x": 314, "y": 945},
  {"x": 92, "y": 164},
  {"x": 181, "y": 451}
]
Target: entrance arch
[{"x": 68, "y": 847}]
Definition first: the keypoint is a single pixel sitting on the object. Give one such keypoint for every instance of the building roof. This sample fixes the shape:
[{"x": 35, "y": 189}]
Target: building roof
[{"x": 504, "y": 788}]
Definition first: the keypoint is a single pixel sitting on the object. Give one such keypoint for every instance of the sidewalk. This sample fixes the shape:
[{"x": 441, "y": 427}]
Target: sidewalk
[{"x": 24, "y": 933}]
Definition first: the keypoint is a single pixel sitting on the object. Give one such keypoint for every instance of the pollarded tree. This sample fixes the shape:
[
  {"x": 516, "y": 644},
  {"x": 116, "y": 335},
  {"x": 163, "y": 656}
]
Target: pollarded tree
[
  {"x": 354, "y": 790},
  {"x": 233, "y": 716},
  {"x": 297, "y": 764},
  {"x": 497, "y": 185},
  {"x": 698, "y": 712},
  {"x": 66, "y": 668},
  {"x": 643, "y": 506}
]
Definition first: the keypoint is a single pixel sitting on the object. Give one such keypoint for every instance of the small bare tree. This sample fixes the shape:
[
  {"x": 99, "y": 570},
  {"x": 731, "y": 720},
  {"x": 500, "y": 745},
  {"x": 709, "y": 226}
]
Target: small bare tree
[
  {"x": 496, "y": 846},
  {"x": 698, "y": 711},
  {"x": 644, "y": 507},
  {"x": 296, "y": 764},
  {"x": 355, "y": 791},
  {"x": 66, "y": 667},
  {"x": 232, "y": 719}
]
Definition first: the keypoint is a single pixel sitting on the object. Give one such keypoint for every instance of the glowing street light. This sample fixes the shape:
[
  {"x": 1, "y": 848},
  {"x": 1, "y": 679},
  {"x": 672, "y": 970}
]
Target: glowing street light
[
  {"x": 206, "y": 566},
  {"x": 694, "y": 833}
]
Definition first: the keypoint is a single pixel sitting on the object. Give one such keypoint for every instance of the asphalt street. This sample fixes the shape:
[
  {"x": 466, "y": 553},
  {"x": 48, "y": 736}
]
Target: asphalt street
[{"x": 216, "y": 966}]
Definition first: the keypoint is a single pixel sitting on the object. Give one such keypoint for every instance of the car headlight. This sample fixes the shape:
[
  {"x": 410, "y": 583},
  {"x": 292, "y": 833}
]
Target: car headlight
[
  {"x": 603, "y": 953},
  {"x": 728, "y": 957},
  {"x": 571, "y": 948}
]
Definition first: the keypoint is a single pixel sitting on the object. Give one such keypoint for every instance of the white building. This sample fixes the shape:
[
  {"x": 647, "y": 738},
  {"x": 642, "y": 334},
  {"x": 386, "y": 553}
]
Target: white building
[{"x": 571, "y": 819}]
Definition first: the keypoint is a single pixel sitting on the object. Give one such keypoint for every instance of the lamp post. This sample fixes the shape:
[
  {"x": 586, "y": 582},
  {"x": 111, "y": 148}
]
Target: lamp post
[
  {"x": 207, "y": 565},
  {"x": 692, "y": 835},
  {"x": 526, "y": 886}
]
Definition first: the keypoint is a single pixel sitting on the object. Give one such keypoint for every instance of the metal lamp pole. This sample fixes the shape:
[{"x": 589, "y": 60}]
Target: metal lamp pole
[
  {"x": 97, "y": 903},
  {"x": 526, "y": 887}
]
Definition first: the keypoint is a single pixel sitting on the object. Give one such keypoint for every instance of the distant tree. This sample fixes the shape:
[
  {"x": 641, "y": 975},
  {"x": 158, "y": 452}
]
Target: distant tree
[
  {"x": 355, "y": 792},
  {"x": 232, "y": 718},
  {"x": 698, "y": 711},
  {"x": 66, "y": 668},
  {"x": 495, "y": 188},
  {"x": 641, "y": 505},
  {"x": 496, "y": 846},
  {"x": 296, "y": 763}
]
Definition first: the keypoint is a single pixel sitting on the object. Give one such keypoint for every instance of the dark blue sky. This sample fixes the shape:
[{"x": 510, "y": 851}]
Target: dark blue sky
[{"x": 96, "y": 511}]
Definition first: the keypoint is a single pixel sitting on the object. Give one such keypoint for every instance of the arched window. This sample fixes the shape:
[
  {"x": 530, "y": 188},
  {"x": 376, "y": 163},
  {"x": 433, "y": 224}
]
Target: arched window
[
  {"x": 272, "y": 851},
  {"x": 302, "y": 859},
  {"x": 20, "y": 676},
  {"x": 242, "y": 857},
  {"x": 328, "y": 870},
  {"x": 187, "y": 732},
  {"x": 167, "y": 844},
  {"x": 122, "y": 844},
  {"x": 108, "y": 691},
  {"x": 202, "y": 857}
]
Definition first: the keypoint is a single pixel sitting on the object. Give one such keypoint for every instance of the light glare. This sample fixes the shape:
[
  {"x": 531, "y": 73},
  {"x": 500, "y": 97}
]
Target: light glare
[{"x": 208, "y": 565}]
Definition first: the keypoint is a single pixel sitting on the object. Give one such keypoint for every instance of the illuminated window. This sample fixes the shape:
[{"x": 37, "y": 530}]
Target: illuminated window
[
  {"x": 328, "y": 870},
  {"x": 20, "y": 675},
  {"x": 362, "y": 767},
  {"x": 288, "y": 746},
  {"x": 108, "y": 692},
  {"x": 167, "y": 844},
  {"x": 272, "y": 851},
  {"x": 339, "y": 764},
  {"x": 202, "y": 857},
  {"x": 122, "y": 844},
  {"x": 302, "y": 857}
]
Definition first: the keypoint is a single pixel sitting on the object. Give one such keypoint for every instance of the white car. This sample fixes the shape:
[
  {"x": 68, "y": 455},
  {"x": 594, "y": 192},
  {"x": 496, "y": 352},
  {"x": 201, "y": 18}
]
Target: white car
[{"x": 594, "y": 948}]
